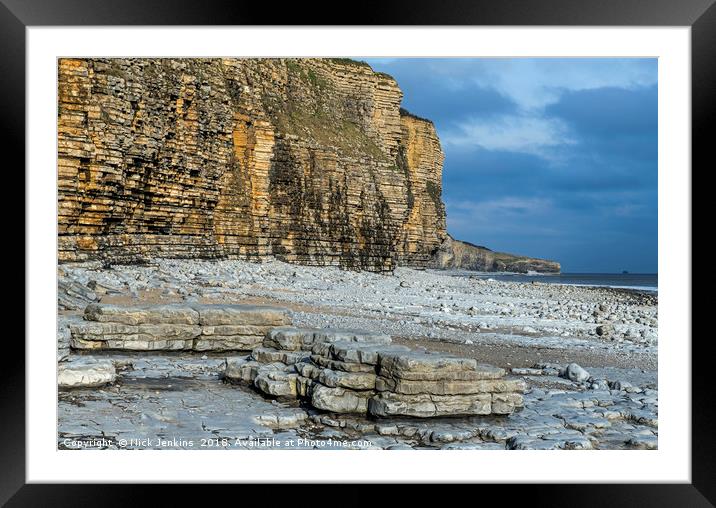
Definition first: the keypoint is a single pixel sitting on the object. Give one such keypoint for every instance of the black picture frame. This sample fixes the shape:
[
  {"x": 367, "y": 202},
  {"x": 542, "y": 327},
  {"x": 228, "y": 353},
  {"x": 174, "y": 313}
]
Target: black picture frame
[{"x": 700, "y": 15}]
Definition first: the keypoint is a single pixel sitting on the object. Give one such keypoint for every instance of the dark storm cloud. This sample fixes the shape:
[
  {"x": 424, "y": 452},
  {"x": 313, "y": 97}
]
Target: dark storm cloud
[{"x": 553, "y": 158}]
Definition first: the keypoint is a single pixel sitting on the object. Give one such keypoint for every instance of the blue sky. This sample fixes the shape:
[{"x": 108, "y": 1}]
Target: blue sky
[{"x": 552, "y": 158}]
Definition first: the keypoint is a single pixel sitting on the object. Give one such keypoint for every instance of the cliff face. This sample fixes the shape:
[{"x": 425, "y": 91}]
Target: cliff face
[
  {"x": 306, "y": 160},
  {"x": 421, "y": 160},
  {"x": 456, "y": 254}
]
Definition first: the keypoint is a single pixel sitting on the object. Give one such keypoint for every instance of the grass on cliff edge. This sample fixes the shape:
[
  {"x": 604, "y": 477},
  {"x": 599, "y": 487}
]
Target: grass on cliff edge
[
  {"x": 405, "y": 112},
  {"x": 350, "y": 61},
  {"x": 328, "y": 131},
  {"x": 361, "y": 63}
]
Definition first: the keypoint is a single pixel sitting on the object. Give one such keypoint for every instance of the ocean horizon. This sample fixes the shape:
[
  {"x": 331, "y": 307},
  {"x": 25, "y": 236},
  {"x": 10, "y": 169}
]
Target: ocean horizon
[{"x": 637, "y": 281}]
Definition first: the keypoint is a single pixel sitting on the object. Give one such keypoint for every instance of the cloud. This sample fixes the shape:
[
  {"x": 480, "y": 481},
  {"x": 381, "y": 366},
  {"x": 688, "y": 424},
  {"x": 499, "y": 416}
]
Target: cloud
[
  {"x": 530, "y": 83},
  {"x": 611, "y": 111},
  {"x": 507, "y": 205},
  {"x": 514, "y": 217},
  {"x": 533, "y": 84},
  {"x": 553, "y": 158},
  {"x": 511, "y": 133},
  {"x": 628, "y": 209}
]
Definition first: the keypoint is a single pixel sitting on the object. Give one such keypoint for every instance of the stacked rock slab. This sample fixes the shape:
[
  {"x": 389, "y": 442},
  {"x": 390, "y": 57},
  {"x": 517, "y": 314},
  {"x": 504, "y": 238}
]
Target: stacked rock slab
[
  {"x": 352, "y": 371},
  {"x": 424, "y": 385},
  {"x": 175, "y": 327},
  {"x": 284, "y": 367}
]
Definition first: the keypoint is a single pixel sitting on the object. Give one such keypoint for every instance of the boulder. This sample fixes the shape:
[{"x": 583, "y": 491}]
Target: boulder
[
  {"x": 240, "y": 368},
  {"x": 290, "y": 338},
  {"x": 276, "y": 383},
  {"x": 267, "y": 355},
  {"x": 351, "y": 380},
  {"x": 308, "y": 369},
  {"x": 575, "y": 373},
  {"x": 605, "y": 330},
  {"x": 85, "y": 372},
  {"x": 339, "y": 400},
  {"x": 506, "y": 403}
]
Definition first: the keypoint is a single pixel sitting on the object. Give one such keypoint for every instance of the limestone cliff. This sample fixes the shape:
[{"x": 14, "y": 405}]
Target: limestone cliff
[
  {"x": 463, "y": 255},
  {"x": 306, "y": 160}
]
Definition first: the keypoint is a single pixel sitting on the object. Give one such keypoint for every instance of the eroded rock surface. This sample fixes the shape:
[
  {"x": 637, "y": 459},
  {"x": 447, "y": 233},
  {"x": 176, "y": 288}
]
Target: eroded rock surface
[{"x": 170, "y": 401}]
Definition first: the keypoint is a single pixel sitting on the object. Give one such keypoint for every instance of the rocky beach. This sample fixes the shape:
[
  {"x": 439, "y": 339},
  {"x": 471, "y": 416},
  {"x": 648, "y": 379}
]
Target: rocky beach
[
  {"x": 588, "y": 357},
  {"x": 254, "y": 253}
]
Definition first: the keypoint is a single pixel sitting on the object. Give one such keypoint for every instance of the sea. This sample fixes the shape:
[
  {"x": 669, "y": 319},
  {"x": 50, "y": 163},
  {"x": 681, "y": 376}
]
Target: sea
[{"x": 637, "y": 281}]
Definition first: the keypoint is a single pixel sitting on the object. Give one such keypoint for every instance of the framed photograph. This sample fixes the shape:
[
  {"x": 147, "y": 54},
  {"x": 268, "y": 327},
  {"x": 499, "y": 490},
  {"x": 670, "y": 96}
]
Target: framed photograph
[{"x": 439, "y": 244}]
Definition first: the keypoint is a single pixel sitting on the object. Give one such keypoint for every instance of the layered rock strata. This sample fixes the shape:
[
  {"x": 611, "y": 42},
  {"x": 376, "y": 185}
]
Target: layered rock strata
[
  {"x": 175, "y": 327},
  {"x": 306, "y": 160},
  {"x": 345, "y": 371},
  {"x": 423, "y": 385}
]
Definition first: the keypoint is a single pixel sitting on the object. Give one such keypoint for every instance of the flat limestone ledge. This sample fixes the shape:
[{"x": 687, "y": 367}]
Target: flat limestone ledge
[
  {"x": 227, "y": 343},
  {"x": 449, "y": 387},
  {"x": 176, "y": 327},
  {"x": 133, "y": 343},
  {"x": 195, "y": 314},
  {"x": 388, "y": 404},
  {"x": 416, "y": 365},
  {"x": 89, "y": 331},
  {"x": 85, "y": 372},
  {"x": 322, "y": 361},
  {"x": 351, "y": 352},
  {"x": 289, "y": 338},
  {"x": 270, "y": 355},
  {"x": 142, "y": 314}
]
